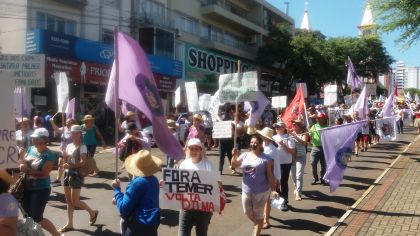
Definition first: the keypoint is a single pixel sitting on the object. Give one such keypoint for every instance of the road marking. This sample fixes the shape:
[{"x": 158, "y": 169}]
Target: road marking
[{"x": 349, "y": 211}]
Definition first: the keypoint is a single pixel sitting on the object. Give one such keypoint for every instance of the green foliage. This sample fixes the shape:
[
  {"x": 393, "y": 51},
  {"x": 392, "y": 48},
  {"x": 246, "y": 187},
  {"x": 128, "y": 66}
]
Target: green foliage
[
  {"x": 401, "y": 15},
  {"x": 413, "y": 91}
]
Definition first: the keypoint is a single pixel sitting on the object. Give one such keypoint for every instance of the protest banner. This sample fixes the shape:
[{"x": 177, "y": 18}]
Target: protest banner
[
  {"x": 238, "y": 87},
  {"x": 204, "y": 101},
  {"x": 62, "y": 83},
  {"x": 28, "y": 70},
  {"x": 8, "y": 148},
  {"x": 190, "y": 190},
  {"x": 222, "y": 129},
  {"x": 279, "y": 102},
  {"x": 330, "y": 95},
  {"x": 192, "y": 96},
  {"x": 386, "y": 128}
]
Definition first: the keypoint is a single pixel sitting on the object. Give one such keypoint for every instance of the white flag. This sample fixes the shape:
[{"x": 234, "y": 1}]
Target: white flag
[{"x": 62, "y": 83}]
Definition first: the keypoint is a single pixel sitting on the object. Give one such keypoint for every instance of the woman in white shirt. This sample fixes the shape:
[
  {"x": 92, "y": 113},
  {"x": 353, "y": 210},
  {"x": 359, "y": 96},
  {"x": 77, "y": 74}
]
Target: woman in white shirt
[
  {"x": 287, "y": 152},
  {"x": 195, "y": 160}
]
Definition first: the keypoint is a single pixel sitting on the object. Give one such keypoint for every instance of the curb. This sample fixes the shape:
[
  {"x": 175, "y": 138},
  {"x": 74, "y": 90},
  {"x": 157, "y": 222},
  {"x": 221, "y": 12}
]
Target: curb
[{"x": 349, "y": 211}]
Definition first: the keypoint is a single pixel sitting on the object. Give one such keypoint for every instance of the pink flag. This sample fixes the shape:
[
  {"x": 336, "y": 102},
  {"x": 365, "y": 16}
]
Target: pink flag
[
  {"x": 257, "y": 108},
  {"x": 71, "y": 109},
  {"x": 137, "y": 86},
  {"x": 361, "y": 105},
  {"x": 387, "y": 108}
]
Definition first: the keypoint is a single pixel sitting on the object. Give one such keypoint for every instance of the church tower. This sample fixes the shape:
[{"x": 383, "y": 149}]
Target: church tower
[
  {"x": 368, "y": 26},
  {"x": 306, "y": 24}
]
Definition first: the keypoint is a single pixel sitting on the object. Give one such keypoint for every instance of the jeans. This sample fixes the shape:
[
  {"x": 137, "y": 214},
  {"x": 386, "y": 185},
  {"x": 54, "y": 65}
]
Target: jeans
[
  {"x": 400, "y": 126},
  {"x": 187, "y": 219},
  {"x": 284, "y": 185},
  {"x": 317, "y": 155},
  {"x": 225, "y": 148},
  {"x": 297, "y": 173},
  {"x": 137, "y": 229},
  {"x": 34, "y": 202}
]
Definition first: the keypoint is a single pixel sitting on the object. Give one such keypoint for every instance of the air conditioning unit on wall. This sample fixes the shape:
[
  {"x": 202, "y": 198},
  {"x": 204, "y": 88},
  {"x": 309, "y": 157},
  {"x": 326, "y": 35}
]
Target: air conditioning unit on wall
[{"x": 251, "y": 40}]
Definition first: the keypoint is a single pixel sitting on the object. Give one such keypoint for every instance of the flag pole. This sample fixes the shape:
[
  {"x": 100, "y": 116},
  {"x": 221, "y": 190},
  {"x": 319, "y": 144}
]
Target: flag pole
[
  {"x": 236, "y": 111},
  {"x": 117, "y": 106},
  {"x": 21, "y": 102},
  {"x": 306, "y": 115}
]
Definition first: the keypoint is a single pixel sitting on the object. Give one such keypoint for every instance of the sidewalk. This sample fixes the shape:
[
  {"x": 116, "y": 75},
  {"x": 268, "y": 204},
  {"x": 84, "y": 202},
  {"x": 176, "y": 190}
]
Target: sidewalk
[{"x": 391, "y": 205}]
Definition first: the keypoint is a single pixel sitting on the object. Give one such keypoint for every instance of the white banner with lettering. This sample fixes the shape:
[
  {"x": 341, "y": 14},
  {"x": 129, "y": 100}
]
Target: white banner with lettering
[
  {"x": 238, "y": 87},
  {"x": 222, "y": 129},
  {"x": 192, "y": 96},
  {"x": 8, "y": 148},
  {"x": 190, "y": 190},
  {"x": 279, "y": 102},
  {"x": 28, "y": 70}
]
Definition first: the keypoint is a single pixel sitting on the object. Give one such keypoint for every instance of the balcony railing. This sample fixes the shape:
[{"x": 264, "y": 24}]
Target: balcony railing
[{"x": 231, "y": 8}]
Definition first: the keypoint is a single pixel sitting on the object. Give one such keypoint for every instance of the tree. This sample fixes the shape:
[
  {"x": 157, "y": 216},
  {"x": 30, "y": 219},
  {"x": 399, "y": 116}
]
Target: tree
[{"x": 399, "y": 15}]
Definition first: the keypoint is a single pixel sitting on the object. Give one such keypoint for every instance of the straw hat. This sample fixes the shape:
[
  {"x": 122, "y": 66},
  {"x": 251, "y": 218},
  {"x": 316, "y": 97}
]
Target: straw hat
[
  {"x": 25, "y": 120},
  {"x": 266, "y": 132},
  {"x": 142, "y": 163},
  {"x": 171, "y": 124},
  {"x": 88, "y": 117},
  {"x": 130, "y": 113},
  {"x": 5, "y": 176}
]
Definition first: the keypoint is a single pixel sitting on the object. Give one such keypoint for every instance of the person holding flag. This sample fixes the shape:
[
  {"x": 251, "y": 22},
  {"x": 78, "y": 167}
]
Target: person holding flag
[{"x": 317, "y": 152}]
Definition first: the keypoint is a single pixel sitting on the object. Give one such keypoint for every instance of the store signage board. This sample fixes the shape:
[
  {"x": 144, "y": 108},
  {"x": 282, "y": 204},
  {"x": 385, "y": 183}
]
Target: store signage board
[{"x": 28, "y": 70}]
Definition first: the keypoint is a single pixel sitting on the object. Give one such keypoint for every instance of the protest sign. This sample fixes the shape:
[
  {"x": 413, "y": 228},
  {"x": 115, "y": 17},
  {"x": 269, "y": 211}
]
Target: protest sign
[
  {"x": 192, "y": 96},
  {"x": 279, "y": 102},
  {"x": 8, "y": 148},
  {"x": 28, "y": 70},
  {"x": 371, "y": 89},
  {"x": 177, "y": 99},
  {"x": 190, "y": 190},
  {"x": 222, "y": 129},
  {"x": 330, "y": 95},
  {"x": 238, "y": 87},
  {"x": 62, "y": 83},
  {"x": 386, "y": 128},
  {"x": 204, "y": 101}
]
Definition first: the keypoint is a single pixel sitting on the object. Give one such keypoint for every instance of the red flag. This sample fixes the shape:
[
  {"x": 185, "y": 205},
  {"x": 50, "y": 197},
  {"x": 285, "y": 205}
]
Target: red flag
[
  {"x": 295, "y": 108},
  {"x": 395, "y": 89}
]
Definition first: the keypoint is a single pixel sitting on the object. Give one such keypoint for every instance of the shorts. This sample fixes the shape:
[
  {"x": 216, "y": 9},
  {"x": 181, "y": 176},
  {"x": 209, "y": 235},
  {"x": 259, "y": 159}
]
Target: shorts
[
  {"x": 74, "y": 181},
  {"x": 365, "y": 137},
  {"x": 34, "y": 202},
  {"x": 253, "y": 204},
  {"x": 417, "y": 122},
  {"x": 91, "y": 150}
]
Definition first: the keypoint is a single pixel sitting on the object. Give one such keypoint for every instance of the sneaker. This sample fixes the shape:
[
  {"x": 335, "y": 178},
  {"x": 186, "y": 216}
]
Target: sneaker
[
  {"x": 314, "y": 181},
  {"x": 365, "y": 149},
  {"x": 284, "y": 207}
]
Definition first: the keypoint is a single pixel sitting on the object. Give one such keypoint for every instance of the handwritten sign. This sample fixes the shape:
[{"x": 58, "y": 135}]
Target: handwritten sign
[
  {"x": 330, "y": 95},
  {"x": 190, "y": 190},
  {"x": 279, "y": 102},
  {"x": 238, "y": 87},
  {"x": 222, "y": 129},
  {"x": 8, "y": 148},
  {"x": 28, "y": 70},
  {"x": 192, "y": 96}
]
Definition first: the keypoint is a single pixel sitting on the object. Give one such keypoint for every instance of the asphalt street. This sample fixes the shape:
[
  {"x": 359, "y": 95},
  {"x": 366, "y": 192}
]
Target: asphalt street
[{"x": 314, "y": 215}]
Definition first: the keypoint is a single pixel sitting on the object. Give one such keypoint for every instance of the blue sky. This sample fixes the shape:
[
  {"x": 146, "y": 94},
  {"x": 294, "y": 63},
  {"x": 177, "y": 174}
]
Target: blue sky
[{"x": 336, "y": 18}]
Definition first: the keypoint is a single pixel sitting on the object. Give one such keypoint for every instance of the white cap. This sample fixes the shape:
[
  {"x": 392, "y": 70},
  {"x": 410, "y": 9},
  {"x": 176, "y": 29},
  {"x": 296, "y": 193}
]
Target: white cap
[
  {"x": 194, "y": 142},
  {"x": 40, "y": 133},
  {"x": 75, "y": 128}
]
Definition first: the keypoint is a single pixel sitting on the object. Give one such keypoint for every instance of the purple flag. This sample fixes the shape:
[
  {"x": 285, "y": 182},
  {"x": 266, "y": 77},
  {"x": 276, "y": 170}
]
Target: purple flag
[
  {"x": 387, "y": 108},
  {"x": 71, "y": 109},
  {"x": 137, "y": 86},
  {"x": 338, "y": 142},
  {"x": 20, "y": 103},
  {"x": 352, "y": 78},
  {"x": 361, "y": 105},
  {"x": 257, "y": 108},
  {"x": 110, "y": 99}
]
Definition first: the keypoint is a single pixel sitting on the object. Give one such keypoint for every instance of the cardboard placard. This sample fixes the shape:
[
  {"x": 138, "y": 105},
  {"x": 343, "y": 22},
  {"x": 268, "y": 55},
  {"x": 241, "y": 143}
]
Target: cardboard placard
[
  {"x": 279, "y": 102},
  {"x": 190, "y": 190},
  {"x": 192, "y": 96},
  {"x": 222, "y": 129},
  {"x": 8, "y": 147},
  {"x": 238, "y": 87}
]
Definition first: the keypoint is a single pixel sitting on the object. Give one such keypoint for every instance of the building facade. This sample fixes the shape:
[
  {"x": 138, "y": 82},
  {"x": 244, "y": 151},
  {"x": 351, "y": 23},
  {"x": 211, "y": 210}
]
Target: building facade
[
  {"x": 186, "y": 40},
  {"x": 407, "y": 77}
]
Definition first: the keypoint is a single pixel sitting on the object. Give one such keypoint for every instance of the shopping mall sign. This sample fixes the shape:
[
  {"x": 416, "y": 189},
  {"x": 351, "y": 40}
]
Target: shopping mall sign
[
  {"x": 27, "y": 70},
  {"x": 198, "y": 59}
]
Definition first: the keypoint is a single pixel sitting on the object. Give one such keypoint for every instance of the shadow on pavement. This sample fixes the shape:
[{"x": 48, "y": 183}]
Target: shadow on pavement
[
  {"x": 356, "y": 187},
  {"x": 359, "y": 179},
  {"x": 370, "y": 161},
  {"x": 98, "y": 185},
  {"x": 169, "y": 217},
  {"x": 98, "y": 231},
  {"x": 107, "y": 175},
  {"x": 232, "y": 188},
  {"x": 364, "y": 168},
  {"x": 326, "y": 211},
  {"x": 300, "y": 224},
  {"x": 319, "y": 196}
]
